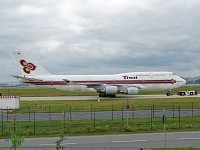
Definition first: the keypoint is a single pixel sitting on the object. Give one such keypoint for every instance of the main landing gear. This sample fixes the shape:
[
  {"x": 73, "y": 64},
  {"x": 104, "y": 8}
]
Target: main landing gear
[
  {"x": 168, "y": 93},
  {"x": 107, "y": 95}
]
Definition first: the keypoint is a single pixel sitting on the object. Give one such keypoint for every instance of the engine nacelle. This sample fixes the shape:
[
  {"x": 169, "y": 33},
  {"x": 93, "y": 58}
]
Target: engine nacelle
[
  {"x": 132, "y": 91},
  {"x": 111, "y": 90}
]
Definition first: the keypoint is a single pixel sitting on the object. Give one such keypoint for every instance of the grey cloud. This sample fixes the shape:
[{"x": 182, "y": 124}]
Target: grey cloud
[{"x": 102, "y": 37}]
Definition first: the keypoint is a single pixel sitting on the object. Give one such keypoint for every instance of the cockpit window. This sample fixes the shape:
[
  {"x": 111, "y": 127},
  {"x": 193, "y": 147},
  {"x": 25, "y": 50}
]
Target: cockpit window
[{"x": 173, "y": 74}]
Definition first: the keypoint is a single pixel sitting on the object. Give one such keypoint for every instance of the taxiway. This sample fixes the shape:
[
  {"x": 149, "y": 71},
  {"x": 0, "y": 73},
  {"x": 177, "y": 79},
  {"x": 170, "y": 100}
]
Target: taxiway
[
  {"x": 98, "y": 98},
  {"x": 125, "y": 141}
]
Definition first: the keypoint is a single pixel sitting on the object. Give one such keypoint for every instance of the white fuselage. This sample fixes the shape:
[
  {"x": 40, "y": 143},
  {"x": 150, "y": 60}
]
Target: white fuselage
[
  {"x": 106, "y": 85},
  {"x": 149, "y": 81}
]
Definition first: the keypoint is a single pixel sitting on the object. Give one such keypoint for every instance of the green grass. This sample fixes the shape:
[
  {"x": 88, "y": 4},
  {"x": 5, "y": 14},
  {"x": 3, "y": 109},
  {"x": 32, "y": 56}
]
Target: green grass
[
  {"x": 97, "y": 127},
  {"x": 109, "y": 105},
  {"x": 54, "y": 92},
  {"x": 42, "y": 92},
  {"x": 102, "y": 126},
  {"x": 104, "y": 105},
  {"x": 183, "y": 148}
]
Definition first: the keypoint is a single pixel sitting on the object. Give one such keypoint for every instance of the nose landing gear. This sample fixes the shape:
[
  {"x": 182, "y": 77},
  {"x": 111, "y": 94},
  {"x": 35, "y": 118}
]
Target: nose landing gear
[{"x": 168, "y": 93}]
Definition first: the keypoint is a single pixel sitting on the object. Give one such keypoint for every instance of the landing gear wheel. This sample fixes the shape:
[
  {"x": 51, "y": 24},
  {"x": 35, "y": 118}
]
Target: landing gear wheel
[
  {"x": 101, "y": 95},
  {"x": 112, "y": 96},
  {"x": 168, "y": 94}
]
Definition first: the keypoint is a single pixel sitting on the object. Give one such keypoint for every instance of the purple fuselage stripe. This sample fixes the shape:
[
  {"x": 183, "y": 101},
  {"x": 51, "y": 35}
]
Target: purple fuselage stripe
[{"x": 103, "y": 82}]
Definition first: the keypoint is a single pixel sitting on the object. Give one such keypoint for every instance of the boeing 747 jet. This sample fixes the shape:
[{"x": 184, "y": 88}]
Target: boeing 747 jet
[{"x": 106, "y": 85}]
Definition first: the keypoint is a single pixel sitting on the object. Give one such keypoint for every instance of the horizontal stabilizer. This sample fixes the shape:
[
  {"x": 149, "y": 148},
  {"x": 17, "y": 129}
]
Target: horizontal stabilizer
[{"x": 27, "y": 78}]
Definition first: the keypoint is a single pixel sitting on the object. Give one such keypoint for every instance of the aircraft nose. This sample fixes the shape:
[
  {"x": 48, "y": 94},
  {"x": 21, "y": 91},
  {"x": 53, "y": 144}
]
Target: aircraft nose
[{"x": 182, "y": 81}]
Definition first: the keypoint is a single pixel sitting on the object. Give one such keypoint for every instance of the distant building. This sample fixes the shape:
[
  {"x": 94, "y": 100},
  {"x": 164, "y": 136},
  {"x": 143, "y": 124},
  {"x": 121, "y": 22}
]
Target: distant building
[
  {"x": 15, "y": 85},
  {"x": 193, "y": 80}
]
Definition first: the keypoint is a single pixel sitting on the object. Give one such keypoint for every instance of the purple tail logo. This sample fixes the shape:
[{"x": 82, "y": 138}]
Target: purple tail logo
[{"x": 27, "y": 67}]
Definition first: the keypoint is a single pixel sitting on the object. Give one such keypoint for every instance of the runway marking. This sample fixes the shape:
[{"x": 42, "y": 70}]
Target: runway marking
[
  {"x": 188, "y": 138},
  {"x": 55, "y": 144},
  {"x": 139, "y": 140},
  {"x": 121, "y": 141},
  {"x": 129, "y": 141},
  {"x": 68, "y": 143}
]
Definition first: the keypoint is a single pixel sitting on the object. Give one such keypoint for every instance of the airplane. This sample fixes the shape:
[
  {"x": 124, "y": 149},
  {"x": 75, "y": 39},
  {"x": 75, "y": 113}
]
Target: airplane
[{"x": 106, "y": 85}]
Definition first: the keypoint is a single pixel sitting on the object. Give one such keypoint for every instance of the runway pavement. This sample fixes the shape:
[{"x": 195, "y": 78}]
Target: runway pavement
[
  {"x": 99, "y": 98},
  {"x": 99, "y": 115},
  {"x": 120, "y": 142}
]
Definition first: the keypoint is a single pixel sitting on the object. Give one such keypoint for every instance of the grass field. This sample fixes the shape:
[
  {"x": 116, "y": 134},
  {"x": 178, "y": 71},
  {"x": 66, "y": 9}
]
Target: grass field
[
  {"x": 108, "y": 105},
  {"x": 187, "y": 148},
  {"x": 103, "y": 105},
  {"x": 54, "y": 92},
  {"x": 42, "y": 92},
  {"x": 98, "y": 126}
]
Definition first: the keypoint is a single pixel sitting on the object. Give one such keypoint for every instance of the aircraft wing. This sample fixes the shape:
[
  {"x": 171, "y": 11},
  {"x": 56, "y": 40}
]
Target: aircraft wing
[
  {"x": 97, "y": 85},
  {"x": 87, "y": 83}
]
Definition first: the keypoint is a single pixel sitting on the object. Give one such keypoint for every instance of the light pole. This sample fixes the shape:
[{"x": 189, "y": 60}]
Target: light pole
[
  {"x": 127, "y": 109},
  {"x": 164, "y": 123}
]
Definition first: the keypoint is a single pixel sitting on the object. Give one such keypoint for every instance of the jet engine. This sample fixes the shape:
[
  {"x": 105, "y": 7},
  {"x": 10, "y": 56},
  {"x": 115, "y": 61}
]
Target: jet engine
[
  {"x": 132, "y": 91},
  {"x": 111, "y": 90}
]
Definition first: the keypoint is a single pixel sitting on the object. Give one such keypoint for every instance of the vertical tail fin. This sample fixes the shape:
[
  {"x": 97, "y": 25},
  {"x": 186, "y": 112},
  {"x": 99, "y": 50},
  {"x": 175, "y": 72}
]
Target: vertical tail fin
[{"x": 28, "y": 66}]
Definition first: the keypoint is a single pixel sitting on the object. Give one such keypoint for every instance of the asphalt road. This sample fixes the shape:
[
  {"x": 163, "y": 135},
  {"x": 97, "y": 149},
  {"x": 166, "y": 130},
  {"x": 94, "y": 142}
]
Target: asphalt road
[
  {"x": 128, "y": 141},
  {"x": 99, "y": 98},
  {"x": 100, "y": 115}
]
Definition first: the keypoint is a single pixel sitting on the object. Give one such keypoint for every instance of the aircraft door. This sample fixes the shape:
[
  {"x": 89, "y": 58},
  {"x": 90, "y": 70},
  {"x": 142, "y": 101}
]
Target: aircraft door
[
  {"x": 143, "y": 80},
  {"x": 151, "y": 75}
]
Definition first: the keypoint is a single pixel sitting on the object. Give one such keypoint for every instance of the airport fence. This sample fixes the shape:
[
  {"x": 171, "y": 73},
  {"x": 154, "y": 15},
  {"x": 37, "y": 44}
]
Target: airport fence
[{"x": 69, "y": 121}]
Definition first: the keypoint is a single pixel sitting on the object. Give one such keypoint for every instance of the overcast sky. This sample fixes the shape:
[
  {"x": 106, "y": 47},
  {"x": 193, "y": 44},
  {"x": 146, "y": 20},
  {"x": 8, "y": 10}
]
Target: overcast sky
[{"x": 101, "y": 36}]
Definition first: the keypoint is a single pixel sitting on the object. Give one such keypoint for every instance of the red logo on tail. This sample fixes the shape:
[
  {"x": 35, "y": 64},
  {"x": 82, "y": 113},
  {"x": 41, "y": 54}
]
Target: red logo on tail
[{"x": 27, "y": 67}]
